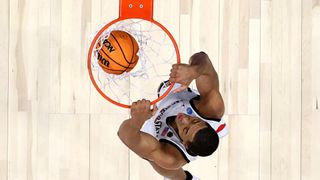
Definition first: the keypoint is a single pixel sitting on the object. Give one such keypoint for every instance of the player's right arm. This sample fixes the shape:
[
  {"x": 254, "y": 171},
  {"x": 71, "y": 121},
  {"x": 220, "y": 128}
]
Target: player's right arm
[{"x": 143, "y": 144}]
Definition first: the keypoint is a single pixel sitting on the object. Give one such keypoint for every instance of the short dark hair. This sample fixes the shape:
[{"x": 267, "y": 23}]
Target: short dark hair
[{"x": 205, "y": 142}]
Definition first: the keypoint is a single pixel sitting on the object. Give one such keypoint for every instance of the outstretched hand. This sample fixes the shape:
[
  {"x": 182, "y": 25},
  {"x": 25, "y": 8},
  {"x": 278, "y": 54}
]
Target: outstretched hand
[
  {"x": 183, "y": 74},
  {"x": 141, "y": 110}
]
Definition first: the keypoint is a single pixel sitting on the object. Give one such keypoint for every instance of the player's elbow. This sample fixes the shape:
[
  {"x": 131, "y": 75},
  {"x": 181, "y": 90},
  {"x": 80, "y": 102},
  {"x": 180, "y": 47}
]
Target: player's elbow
[
  {"x": 219, "y": 110},
  {"x": 122, "y": 131},
  {"x": 216, "y": 108},
  {"x": 118, "y": 133},
  {"x": 216, "y": 104}
]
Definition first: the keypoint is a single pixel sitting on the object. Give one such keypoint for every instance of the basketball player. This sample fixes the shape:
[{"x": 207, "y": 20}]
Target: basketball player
[{"x": 183, "y": 125}]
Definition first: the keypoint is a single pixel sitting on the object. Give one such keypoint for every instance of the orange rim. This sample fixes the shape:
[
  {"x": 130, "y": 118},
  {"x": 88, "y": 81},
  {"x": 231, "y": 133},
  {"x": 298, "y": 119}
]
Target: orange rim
[{"x": 127, "y": 12}]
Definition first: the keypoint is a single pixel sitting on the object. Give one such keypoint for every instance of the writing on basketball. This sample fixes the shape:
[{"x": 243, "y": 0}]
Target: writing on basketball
[
  {"x": 103, "y": 60},
  {"x": 110, "y": 48},
  {"x": 117, "y": 53}
]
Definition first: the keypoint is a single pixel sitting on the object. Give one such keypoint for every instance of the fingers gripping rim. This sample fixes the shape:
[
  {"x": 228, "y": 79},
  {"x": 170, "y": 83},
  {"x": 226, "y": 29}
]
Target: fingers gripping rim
[{"x": 90, "y": 61}]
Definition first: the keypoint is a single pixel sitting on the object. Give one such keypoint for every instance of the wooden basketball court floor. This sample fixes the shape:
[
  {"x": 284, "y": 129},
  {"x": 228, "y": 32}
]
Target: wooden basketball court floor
[{"x": 55, "y": 126}]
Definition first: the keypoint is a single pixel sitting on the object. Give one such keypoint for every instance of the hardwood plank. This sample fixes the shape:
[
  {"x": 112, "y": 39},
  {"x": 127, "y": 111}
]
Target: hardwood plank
[
  {"x": 109, "y": 157},
  {"x": 266, "y": 31},
  {"x": 167, "y": 13},
  {"x": 29, "y": 59},
  {"x": 70, "y": 54},
  {"x": 255, "y": 9},
  {"x": 253, "y": 67},
  {"x": 223, "y": 155},
  {"x": 223, "y": 53},
  {"x": 233, "y": 48},
  {"x": 239, "y": 56},
  {"x": 83, "y": 94},
  {"x": 23, "y": 65},
  {"x": 41, "y": 103},
  {"x": 310, "y": 145},
  {"x": 68, "y": 147},
  {"x": 243, "y": 34},
  {"x": 55, "y": 56},
  {"x": 286, "y": 89},
  {"x": 184, "y": 38},
  {"x": 265, "y": 122},
  {"x": 244, "y": 157},
  {"x": 206, "y": 38},
  {"x": 265, "y": 92},
  {"x": 19, "y": 145},
  {"x": 229, "y": 55},
  {"x": 4, "y": 71},
  {"x": 73, "y": 89}
]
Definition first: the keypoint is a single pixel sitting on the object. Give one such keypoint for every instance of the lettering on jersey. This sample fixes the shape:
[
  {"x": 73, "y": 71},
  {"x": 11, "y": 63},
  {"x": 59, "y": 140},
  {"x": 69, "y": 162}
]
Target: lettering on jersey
[
  {"x": 158, "y": 126},
  {"x": 157, "y": 120}
]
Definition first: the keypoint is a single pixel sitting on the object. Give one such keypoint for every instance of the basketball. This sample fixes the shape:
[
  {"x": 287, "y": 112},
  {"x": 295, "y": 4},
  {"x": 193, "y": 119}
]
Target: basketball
[{"x": 118, "y": 53}]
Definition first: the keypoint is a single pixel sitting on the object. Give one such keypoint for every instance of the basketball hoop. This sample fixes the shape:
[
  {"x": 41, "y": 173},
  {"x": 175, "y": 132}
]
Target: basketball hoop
[{"x": 158, "y": 50}]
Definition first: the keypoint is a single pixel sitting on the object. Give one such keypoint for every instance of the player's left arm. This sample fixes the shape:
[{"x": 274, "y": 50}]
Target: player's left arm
[{"x": 202, "y": 71}]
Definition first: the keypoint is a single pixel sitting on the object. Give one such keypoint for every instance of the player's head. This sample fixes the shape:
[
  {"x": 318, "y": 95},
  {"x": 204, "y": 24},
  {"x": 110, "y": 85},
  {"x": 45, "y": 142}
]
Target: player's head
[{"x": 198, "y": 137}]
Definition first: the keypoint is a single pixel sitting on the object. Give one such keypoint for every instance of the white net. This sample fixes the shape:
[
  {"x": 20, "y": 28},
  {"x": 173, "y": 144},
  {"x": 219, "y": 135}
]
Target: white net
[{"x": 156, "y": 56}]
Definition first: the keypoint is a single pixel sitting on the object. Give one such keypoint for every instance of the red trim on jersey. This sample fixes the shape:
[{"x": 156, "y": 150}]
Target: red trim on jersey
[{"x": 222, "y": 126}]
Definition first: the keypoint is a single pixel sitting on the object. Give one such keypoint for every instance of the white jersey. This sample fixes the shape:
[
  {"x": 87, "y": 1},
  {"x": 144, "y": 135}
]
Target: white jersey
[{"x": 171, "y": 105}]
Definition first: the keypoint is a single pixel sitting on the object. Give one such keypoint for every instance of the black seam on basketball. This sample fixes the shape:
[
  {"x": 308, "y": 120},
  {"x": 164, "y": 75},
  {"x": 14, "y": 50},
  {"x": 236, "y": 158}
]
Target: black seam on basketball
[
  {"x": 133, "y": 61},
  {"x": 120, "y": 48},
  {"x": 127, "y": 68},
  {"x": 132, "y": 48},
  {"x": 133, "y": 51},
  {"x": 132, "y": 54},
  {"x": 122, "y": 71},
  {"x": 111, "y": 58}
]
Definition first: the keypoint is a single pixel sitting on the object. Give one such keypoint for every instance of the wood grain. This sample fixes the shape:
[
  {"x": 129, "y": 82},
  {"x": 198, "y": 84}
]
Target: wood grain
[
  {"x": 68, "y": 147},
  {"x": 55, "y": 125},
  {"x": 243, "y": 147},
  {"x": 311, "y": 90},
  {"x": 4, "y": 80},
  {"x": 108, "y": 155},
  {"x": 265, "y": 99},
  {"x": 286, "y": 90}
]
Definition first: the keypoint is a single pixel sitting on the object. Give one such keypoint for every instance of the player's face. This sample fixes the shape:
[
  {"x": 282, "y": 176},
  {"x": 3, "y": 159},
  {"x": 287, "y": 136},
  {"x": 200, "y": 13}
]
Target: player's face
[{"x": 188, "y": 126}]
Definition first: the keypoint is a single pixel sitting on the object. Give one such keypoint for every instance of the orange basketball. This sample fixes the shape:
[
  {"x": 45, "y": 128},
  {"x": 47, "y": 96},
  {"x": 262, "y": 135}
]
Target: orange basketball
[{"x": 118, "y": 53}]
